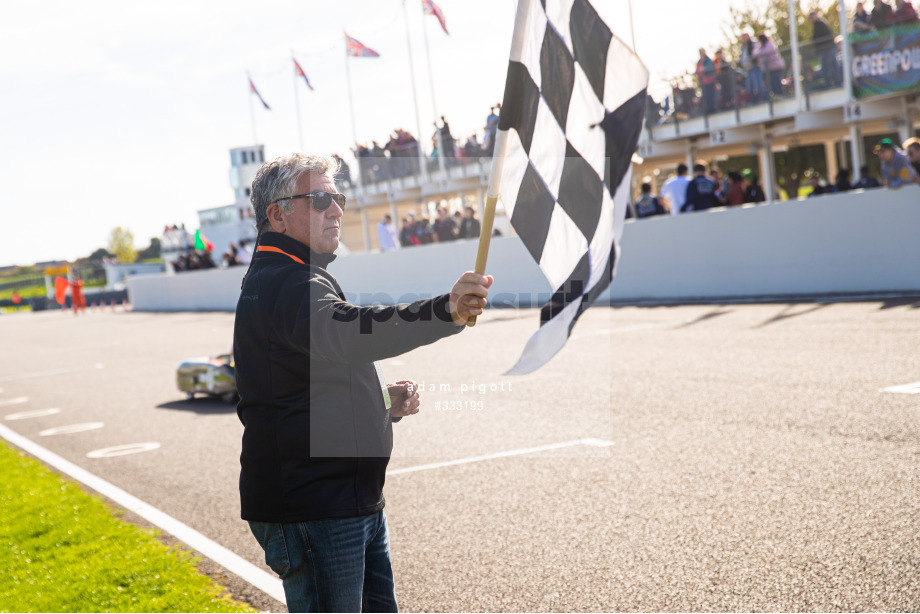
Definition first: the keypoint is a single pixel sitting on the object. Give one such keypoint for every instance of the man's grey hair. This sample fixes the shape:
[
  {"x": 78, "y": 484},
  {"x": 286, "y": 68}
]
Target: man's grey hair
[{"x": 278, "y": 178}]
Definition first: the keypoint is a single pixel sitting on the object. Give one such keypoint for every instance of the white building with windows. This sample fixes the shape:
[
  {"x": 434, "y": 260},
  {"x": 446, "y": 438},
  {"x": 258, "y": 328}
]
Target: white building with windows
[{"x": 231, "y": 223}]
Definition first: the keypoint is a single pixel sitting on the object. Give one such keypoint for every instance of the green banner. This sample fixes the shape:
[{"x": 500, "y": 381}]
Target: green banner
[{"x": 886, "y": 61}]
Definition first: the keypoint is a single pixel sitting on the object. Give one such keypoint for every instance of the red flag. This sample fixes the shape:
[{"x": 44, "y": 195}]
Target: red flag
[
  {"x": 60, "y": 289},
  {"x": 433, "y": 9},
  {"x": 201, "y": 242},
  {"x": 252, "y": 88},
  {"x": 357, "y": 49},
  {"x": 298, "y": 71}
]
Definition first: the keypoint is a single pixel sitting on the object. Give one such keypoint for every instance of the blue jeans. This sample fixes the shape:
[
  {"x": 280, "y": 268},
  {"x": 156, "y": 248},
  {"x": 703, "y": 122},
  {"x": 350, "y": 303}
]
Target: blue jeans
[
  {"x": 754, "y": 84},
  {"x": 829, "y": 67},
  {"x": 333, "y": 565},
  {"x": 776, "y": 83},
  {"x": 709, "y": 97}
]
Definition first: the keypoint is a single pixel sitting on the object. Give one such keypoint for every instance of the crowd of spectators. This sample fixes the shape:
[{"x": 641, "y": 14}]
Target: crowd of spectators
[
  {"x": 422, "y": 231},
  {"x": 191, "y": 259},
  {"x": 708, "y": 188},
  {"x": 401, "y": 155},
  {"x": 194, "y": 260},
  {"x": 761, "y": 71}
]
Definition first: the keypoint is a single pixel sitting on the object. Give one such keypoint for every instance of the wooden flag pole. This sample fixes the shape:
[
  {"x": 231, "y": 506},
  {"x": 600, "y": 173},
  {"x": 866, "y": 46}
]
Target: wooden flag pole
[{"x": 498, "y": 153}]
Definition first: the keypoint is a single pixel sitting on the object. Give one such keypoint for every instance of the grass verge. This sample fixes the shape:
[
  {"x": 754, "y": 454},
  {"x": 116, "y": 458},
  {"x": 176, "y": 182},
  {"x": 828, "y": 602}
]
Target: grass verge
[{"x": 62, "y": 550}]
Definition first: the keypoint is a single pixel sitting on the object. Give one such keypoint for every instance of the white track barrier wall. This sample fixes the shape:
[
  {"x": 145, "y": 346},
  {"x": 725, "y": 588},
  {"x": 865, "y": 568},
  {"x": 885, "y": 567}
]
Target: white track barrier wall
[{"x": 848, "y": 244}]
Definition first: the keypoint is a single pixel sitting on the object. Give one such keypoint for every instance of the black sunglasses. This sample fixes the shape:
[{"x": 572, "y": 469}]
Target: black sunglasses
[{"x": 320, "y": 201}]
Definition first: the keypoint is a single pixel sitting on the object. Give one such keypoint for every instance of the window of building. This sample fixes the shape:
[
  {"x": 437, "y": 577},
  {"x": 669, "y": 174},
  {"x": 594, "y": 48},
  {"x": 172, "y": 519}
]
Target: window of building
[{"x": 212, "y": 217}]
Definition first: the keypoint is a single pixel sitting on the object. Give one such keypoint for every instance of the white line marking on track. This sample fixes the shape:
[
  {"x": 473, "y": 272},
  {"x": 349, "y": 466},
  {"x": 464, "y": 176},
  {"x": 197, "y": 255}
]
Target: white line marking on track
[
  {"x": 35, "y": 413},
  {"x": 11, "y": 378},
  {"x": 621, "y": 329},
  {"x": 130, "y": 448},
  {"x": 475, "y": 459},
  {"x": 264, "y": 581},
  {"x": 73, "y": 428},
  {"x": 904, "y": 388},
  {"x": 15, "y": 401}
]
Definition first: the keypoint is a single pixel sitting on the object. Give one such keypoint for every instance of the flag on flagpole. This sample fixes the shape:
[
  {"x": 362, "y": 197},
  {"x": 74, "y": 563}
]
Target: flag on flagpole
[
  {"x": 433, "y": 9},
  {"x": 201, "y": 242},
  {"x": 252, "y": 88},
  {"x": 356, "y": 49},
  {"x": 60, "y": 289},
  {"x": 573, "y": 109},
  {"x": 298, "y": 71}
]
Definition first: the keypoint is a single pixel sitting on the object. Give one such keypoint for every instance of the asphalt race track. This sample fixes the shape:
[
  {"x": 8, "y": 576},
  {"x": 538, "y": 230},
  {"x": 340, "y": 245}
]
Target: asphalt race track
[{"x": 689, "y": 458}]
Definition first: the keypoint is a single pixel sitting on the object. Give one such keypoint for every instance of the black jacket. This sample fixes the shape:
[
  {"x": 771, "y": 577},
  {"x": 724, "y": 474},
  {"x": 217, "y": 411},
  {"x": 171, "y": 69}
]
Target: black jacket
[
  {"x": 701, "y": 195},
  {"x": 317, "y": 435},
  {"x": 470, "y": 228}
]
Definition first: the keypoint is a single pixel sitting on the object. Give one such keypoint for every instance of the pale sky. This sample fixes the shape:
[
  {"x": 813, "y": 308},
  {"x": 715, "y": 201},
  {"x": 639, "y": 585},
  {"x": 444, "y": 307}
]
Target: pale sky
[{"x": 118, "y": 113}]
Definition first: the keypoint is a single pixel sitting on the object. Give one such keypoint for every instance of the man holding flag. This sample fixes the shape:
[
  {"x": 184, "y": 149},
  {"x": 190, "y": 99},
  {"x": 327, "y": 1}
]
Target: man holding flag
[{"x": 316, "y": 410}]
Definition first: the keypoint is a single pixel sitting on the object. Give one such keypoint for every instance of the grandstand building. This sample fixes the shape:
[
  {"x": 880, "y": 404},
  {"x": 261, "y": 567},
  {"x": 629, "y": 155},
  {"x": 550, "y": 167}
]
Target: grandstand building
[
  {"x": 877, "y": 94},
  {"x": 458, "y": 185},
  {"x": 230, "y": 223}
]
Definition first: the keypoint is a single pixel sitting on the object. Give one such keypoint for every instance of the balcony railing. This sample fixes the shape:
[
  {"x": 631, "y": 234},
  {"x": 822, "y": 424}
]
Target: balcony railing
[{"x": 733, "y": 88}]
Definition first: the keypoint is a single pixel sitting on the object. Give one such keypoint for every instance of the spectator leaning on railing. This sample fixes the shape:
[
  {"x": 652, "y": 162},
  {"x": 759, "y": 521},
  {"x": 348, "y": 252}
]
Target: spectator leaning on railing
[
  {"x": 701, "y": 192},
  {"x": 823, "y": 40},
  {"x": 735, "y": 195},
  {"x": 753, "y": 193},
  {"x": 904, "y": 13},
  {"x": 753, "y": 80},
  {"x": 861, "y": 19},
  {"x": 879, "y": 17},
  {"x": 842, "y": 183},
  {"x": 706, "y": 73},
  {"x": 772, "y": 63},
  {"x": 866, "y": 180},
  {"x": 816, "y": 188},
  {"x": 648, "y": 205},
  {"x": 896, "y": 168},
  {"x": 912, "y": 148}
]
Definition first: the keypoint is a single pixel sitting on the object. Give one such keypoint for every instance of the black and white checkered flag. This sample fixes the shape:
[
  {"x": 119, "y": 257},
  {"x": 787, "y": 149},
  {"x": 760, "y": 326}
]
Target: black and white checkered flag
[{"x": 572, "y": 112}]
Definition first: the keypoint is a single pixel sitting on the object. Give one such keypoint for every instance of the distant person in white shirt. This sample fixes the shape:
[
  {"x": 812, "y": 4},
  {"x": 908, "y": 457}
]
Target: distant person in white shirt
[
  {"x": 386, "y": 232},
  {"x": 674, "y": 189},
  {"x": 244, "y": 253}
]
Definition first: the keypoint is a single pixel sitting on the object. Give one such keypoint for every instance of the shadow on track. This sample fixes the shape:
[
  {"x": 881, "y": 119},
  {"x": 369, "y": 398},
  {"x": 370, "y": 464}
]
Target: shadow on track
[
  {"x": 785, "y": 314},
  {"x": 912, "y": 302},
  {"x": 202, "y": 405},
  {"x": 707, "y": 316}
]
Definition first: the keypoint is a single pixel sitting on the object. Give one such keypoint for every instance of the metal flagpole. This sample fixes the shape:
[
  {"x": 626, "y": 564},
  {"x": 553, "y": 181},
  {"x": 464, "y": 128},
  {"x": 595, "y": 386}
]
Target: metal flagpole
[
  {"x": 354, "y": 131},
  {"x": 423, "y": 167},
  {"x": 252, "y": 112},
  {"x": 498, "y": 154},
  {"x": 297, "y": 104},
  {"x": 434, "y": 105}
]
